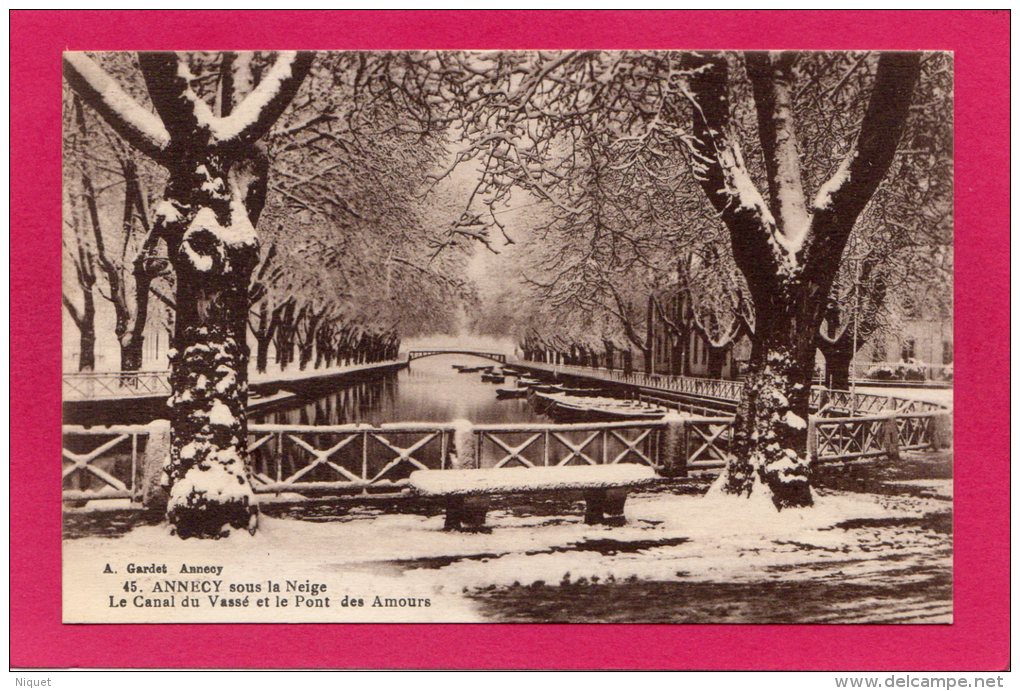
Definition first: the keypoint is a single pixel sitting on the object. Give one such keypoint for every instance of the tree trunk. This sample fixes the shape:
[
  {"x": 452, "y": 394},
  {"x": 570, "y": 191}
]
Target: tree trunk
[
  {"x": 131, "y": 354},
  {"x": 87, "y": 334},
  {"x": 770, "y": 427},
  {"x": 838, "y": 357},
  {"x": 716, "y": 360},
  {"x": 214, "y": 249},
  {"x": 788, "y": 249}
]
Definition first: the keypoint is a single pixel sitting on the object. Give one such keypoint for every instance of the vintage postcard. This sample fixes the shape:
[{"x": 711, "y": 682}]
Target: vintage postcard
[{"x": 507, "y": 336}]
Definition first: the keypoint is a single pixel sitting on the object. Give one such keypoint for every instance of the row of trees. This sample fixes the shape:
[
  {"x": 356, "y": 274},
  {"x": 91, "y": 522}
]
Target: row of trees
[
  {"x": 634, "y": 169},
  {"x": 338, "y": 281}
]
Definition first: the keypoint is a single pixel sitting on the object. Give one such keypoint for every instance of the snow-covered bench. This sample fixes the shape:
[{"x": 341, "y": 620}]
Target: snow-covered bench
[{"x": 467, "y": 491}]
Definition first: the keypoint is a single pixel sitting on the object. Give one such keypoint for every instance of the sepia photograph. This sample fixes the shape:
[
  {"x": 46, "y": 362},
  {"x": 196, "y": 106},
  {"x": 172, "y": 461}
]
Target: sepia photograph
[{"x": 543, "y": 336}]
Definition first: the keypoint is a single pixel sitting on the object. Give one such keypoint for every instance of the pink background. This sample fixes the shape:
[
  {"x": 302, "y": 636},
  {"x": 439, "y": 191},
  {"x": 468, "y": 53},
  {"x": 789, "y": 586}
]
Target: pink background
[{"x": 978, "y": 639}]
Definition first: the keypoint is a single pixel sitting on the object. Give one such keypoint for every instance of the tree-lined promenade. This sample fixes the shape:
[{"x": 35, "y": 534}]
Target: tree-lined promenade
[{"x": 318, "y": 208}]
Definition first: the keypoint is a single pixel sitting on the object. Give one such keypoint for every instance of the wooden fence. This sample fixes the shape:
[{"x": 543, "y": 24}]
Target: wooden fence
[{"x": 106, "y": 462}]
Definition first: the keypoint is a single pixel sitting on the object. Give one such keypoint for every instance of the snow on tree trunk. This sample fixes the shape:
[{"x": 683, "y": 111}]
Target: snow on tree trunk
[
  {"x": 770, "y": 427},
  {"x": 213, "y": 249},
  {"x": 215, "y": 193},
  {"x": 788, "y": 250}
]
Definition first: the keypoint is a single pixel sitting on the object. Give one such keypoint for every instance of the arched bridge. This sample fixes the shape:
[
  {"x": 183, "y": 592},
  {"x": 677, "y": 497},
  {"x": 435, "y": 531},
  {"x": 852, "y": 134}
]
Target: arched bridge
[{"x": 419, "y": 354}]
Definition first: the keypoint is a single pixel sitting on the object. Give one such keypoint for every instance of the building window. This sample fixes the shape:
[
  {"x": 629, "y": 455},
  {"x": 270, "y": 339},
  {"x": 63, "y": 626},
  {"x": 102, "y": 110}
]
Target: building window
[{"x": 947, "y": 352}]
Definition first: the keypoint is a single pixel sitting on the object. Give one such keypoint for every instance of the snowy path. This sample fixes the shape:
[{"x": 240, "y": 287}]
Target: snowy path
[{"x": 713, "y": 558}]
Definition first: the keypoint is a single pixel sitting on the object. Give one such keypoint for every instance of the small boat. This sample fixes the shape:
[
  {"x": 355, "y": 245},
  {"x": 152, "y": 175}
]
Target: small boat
[
  {"x": 504, "y": 392},
  {"x": 581, "y": 391},
  {"x": 493, "y": 377},
  {"x": 563, "y": 408},
  {"x": 465, "y": 369},
  {"x": 546, "y": 388}
]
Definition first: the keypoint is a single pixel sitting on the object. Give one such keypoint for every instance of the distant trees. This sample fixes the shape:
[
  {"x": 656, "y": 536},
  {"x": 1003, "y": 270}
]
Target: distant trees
[{"x": 107, "y": 211}]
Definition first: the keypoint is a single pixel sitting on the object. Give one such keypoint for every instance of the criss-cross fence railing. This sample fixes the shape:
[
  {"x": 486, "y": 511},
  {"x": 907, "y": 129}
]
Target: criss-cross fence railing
[
  {"x": 102, "y": 462},
  {"x": 824, "y": 401},
  {"x": 97, "y": 386},
  {"x": 107, "y": 462}
]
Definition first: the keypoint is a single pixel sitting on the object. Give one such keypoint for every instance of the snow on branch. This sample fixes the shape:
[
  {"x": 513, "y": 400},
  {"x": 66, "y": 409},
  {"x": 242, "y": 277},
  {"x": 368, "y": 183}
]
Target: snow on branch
[
  {"x": 253, "y": 117},
  {"x": 848, "y": 190},
  {"x": 143, "y": 129}
]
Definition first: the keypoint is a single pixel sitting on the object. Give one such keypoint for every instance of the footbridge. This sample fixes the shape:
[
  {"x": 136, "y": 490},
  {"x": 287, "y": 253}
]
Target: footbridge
[{"x": 422, "y": 353}]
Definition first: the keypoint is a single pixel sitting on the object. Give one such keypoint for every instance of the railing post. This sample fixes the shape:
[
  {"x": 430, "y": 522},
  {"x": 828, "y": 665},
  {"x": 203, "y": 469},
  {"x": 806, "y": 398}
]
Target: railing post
[
  {"x": 941, "y": 431},
  {"x": 673, "y": 448},
  {"x": 364, "y": 456},
  {"x": 890, "y": 438},
  {"x": 157, "y": 450},
  {"x": 812, "y": 439},
  {"x": 466, "y": 450}
]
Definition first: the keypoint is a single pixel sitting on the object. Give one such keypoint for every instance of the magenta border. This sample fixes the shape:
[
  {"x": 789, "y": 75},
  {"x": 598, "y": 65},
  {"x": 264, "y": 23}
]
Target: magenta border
[{"x": 979, "y": 638}]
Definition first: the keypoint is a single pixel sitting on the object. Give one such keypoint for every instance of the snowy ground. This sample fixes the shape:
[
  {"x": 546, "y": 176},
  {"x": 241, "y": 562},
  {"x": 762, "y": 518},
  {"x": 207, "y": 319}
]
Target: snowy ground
[{"x": 877, "y": 547}]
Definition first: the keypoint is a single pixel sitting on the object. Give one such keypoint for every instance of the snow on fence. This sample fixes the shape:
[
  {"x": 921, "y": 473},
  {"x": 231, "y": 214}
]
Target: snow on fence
[
  {"x": 107, "y": 462},
  {"x": 98, "y": 386}
]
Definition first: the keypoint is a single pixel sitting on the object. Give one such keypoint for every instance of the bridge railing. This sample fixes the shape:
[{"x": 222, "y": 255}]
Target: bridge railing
[
  {"x": 428, "y": 352},
  {"x": 79, "y": 386},
  {"x": 826, "y": 401}
]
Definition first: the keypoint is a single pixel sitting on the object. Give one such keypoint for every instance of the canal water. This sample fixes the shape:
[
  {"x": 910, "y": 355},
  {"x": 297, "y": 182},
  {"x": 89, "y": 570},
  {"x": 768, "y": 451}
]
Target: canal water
[{"x": 428, "y": 390}]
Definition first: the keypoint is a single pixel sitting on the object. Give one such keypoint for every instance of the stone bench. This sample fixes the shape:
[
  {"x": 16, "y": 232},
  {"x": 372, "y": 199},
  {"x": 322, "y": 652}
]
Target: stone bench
[{"x": 467, "y": 491}]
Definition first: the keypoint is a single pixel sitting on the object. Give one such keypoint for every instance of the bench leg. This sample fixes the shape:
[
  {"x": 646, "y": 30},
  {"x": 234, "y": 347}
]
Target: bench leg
[
  {"x": 466, "y": 513},
  {"x": 605, "y": 506}
]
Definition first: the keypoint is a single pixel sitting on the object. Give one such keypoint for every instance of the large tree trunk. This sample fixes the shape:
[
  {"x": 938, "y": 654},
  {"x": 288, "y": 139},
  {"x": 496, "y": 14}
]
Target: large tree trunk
[
  {"x": 214, "y": 196},
  {"x": 770, "y": 427},
  {"x": 214, "y": 249}
]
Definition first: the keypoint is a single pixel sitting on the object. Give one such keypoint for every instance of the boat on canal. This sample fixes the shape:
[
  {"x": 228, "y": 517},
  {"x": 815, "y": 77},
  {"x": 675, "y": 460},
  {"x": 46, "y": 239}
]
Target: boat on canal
[{"x": 566, "y": 408}]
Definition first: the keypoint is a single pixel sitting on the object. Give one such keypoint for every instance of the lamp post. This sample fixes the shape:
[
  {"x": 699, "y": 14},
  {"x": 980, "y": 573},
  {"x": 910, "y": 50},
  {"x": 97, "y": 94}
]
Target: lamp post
[{"x": 853, "y": 352}]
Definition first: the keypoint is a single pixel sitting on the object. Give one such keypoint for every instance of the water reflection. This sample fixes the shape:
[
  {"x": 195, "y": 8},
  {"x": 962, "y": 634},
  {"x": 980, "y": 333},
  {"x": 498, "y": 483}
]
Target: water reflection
[{"x": 429, "y": 390}]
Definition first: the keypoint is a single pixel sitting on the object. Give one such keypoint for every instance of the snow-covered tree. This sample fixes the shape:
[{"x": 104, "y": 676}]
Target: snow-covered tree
[
  {"x": 788, "y": 247},
  {"x": 214, "y": 196},
  {"x": 533, "y": 121}
]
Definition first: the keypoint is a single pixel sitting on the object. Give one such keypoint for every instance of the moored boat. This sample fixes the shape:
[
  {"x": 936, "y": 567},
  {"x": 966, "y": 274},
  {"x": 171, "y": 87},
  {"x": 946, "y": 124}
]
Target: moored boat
[{"x": 564, "y": 408}]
